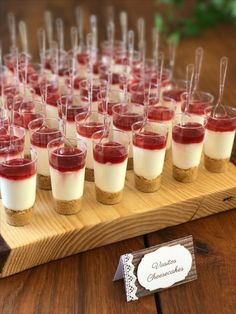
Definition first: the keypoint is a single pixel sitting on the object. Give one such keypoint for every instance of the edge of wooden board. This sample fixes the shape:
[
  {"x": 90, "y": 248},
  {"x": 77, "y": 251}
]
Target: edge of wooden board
[{"x": 85, "y": 238}]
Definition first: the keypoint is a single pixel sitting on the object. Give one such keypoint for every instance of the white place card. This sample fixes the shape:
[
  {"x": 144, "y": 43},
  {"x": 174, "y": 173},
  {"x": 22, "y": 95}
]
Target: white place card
[{"x": 159, "y": 267}]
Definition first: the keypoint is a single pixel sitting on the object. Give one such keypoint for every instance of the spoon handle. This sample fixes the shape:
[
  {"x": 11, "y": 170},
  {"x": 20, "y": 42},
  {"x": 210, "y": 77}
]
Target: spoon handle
[
  {"x": 198, "y": 65},
  {"x": 49, "y": 27},
  {"x": 172, "y": 53},
  {"x": 189, "y": 86},
  {"x": 79, "y": 21},
  {"x": 12, "y": 28},
  {"x": 223, "y": 71},
  {"x": 23, "y": 36}
]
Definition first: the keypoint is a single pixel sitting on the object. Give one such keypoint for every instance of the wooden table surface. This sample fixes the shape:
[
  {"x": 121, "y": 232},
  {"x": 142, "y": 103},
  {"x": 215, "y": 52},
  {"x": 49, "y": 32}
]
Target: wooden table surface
[{"x": 83, "y": 283}]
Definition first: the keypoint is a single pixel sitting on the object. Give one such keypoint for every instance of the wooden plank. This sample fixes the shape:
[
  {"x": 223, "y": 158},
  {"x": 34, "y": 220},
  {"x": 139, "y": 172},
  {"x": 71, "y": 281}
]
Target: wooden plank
[
  {"x": 51, "y": 236},
  {"x": 215, "y": 251},
  {"x": 79, "y": 284}
]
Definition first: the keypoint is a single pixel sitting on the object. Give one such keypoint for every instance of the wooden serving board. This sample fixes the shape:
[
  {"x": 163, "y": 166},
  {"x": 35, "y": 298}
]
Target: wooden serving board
[{"x": 51, "y": 236}]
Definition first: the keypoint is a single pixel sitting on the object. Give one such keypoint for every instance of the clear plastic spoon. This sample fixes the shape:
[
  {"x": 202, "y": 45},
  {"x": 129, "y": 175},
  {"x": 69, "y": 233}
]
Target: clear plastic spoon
[
  {"x": 124, "y": 26},
  {"x": 42, "y": 46},
  {"x": 79, "y": 22},
  {"x": 223, "y": 71},
  {"x": 49, "y": 27},
  {"x": 23, "y": 36},
  {"x": 60, "y": 33},
  {"x": 12, "y": 29},
  {"x": 189, "y": 84},
  {"x": 156, "y": 42},
  {"x": 172, "y": 54},
  {"x": 198, "y": 66}
]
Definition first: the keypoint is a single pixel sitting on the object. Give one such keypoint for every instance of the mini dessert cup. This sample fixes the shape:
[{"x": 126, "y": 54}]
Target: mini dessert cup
[
  {"x": 68, "y": 107},
  {"x": 18, "y": 187},
  {"x": 67, "y": 168},
  {"x": 4, "y": 119},
  {"x": 116, "y": 70},
  {"x": 198, "y": 103},
  {"x": 87, "y": 124},
  {"x": 149, "y": 147},
  {"x": 27, "y": 111},
  {"x": 93, "y": 88},
  {"x": 219, "y": 138},
  {"x": 11, "y": 136},
  {"x": 49, "y": 91},
  {"x": 144, "y": 93},
  {"x": 118, "y": 48},
  {"x": 165, "y": 113},
  {"x": 106, "y": 100},
  {"x": 110, "y": 152},
  {"x": 178, "y": 87},
  {"x": 42, "y": 131},
  {"x": 51, "y": 106},
  {"x": 187, "y": 143},
  {"x": 124, "y": 116}
]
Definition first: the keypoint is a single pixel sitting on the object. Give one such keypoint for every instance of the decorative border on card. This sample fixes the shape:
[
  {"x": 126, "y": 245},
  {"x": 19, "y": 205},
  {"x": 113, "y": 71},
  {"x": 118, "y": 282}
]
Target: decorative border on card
[
  {"x": 129, "y": 277},
  {"x": 129, "y": 263}
]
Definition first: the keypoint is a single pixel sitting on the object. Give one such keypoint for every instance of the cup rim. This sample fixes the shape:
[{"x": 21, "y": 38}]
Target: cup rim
[
  {"x": 34, "y": 160},
  {"x": 68, "y": 138},
  {"x": 70, "y": 106},
  {"x": 208, "y": 111},
  {"x": 194, "y": 126},
  {"x": 127, "y": 105},
  {"x": 97, "y": 141},
  {"x": 149, "y": 121},
  {"x": 202, "y": 93},
  {"x": 39, "y": 128},
  {"x": 104, "y": 115}
]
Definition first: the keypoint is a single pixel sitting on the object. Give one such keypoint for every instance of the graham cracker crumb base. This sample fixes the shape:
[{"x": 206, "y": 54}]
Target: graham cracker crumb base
[
  {"x": 108, "y": 198},
  {"x": 89, "y": 175},
  {"x": 18, "y": 218},
  {"x": 216, "y": 165},
  {"x": 147, "y": 186},
  {"x": 44, "y": 182},
  {"x": 130, "y": 164},
  {"x": 168, "y": 154},
  {"x": 185, "y": 175},
  {"x": 67, "y": 207}
]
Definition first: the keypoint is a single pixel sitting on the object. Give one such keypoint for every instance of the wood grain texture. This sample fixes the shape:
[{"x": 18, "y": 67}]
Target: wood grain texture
[
  {"x": 215, "y": 252},
  {"x": 79, "y": 284},
  {"x": 51, "y": 236}
]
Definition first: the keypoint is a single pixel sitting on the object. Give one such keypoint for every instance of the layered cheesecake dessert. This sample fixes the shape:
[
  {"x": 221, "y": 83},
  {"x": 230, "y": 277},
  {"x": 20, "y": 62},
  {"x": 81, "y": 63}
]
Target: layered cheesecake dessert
[
  {"x": 164, "y": 113},
  {"x": 177, "y": 89},
  {"x": 219, "y": 140},
  {"x": 68, "y": 107},
  {"x": 149, "y": 147},
  {"x": 116, "y": 69},
  {"x": 47, "y": 87},
  {"x": 124, "y": 116},
  {"x": 27, "y": 112},
  {"x": 42, "y": 131},
  {"x": 51, "y": 105},
  {"x": 144, "y": 93},
  {"x": 86, "y": 89},
  {"x": 198, "y": 103},
  {"x": 86, "y": 125},
  {"x": 67, "y": 169},
  {"x": 187, "y": 144},
  {"x": 18, "y": 188},
  {"x": 106, "y": 100},
  {"x": 110, "y": 162},
  {"x": 11, "y": 145}
]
